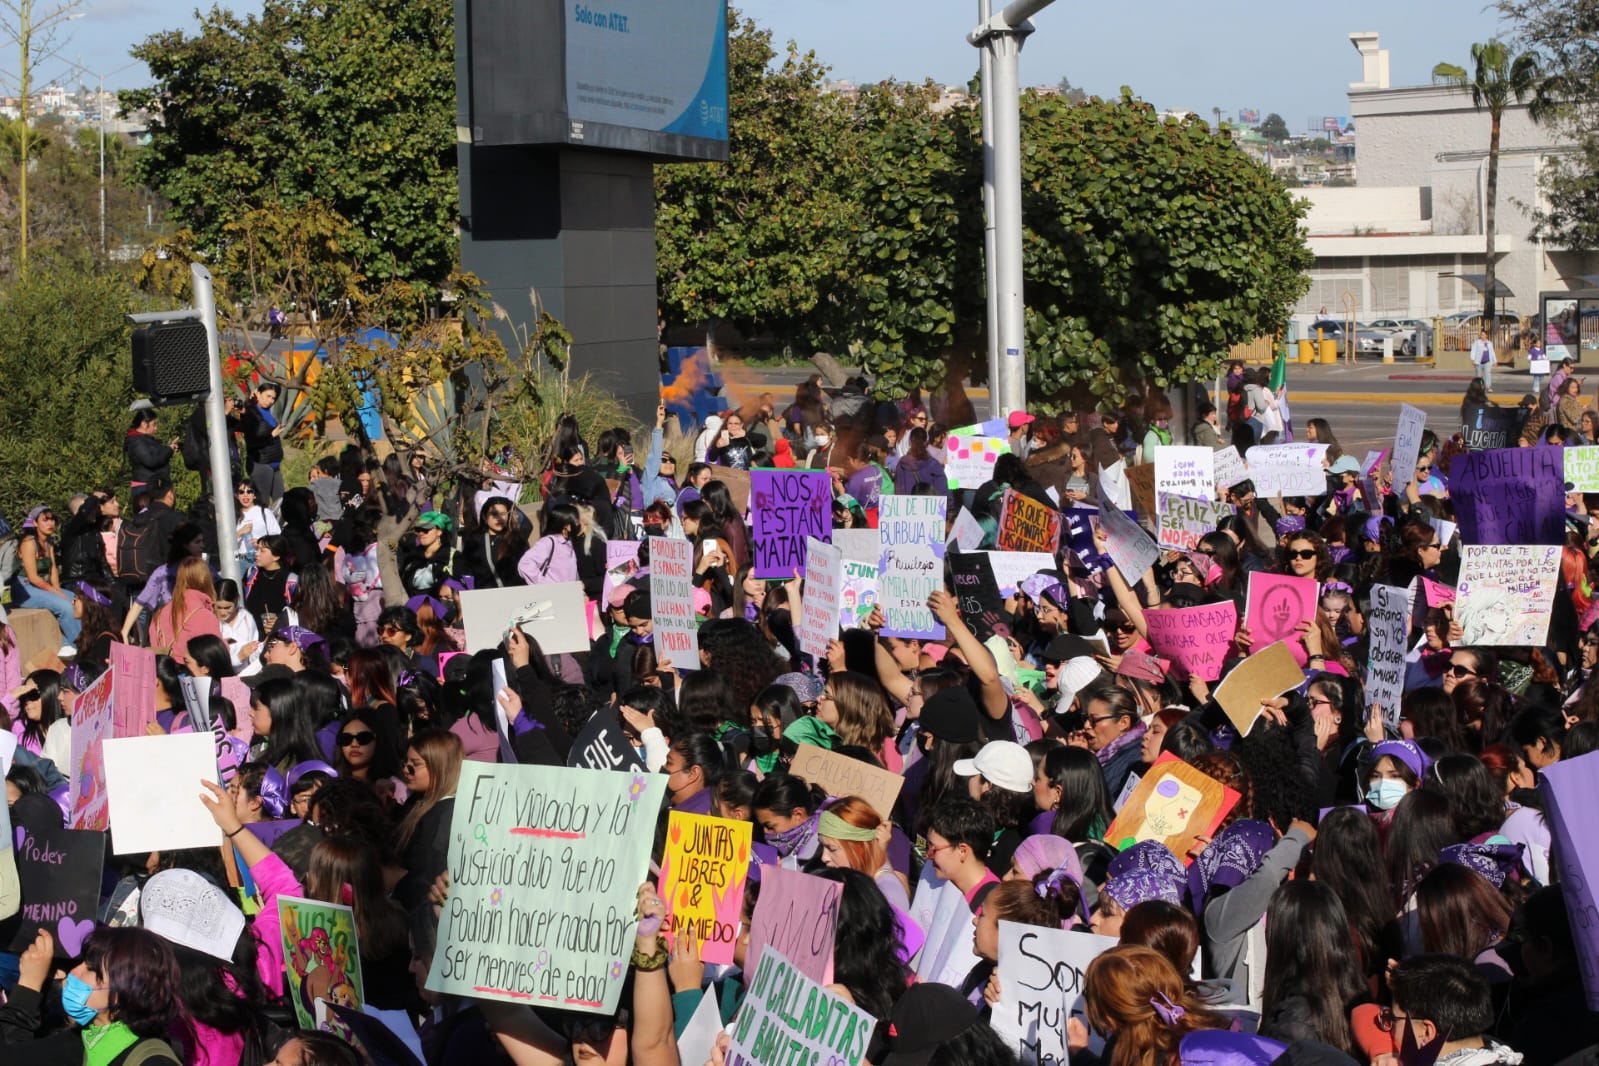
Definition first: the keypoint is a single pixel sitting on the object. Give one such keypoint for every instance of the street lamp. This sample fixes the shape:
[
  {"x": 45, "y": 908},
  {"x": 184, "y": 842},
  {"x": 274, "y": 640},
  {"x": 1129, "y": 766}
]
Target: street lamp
[
  {"x": 99, "y": 102},
  {"x": 1000, "y": 38}
]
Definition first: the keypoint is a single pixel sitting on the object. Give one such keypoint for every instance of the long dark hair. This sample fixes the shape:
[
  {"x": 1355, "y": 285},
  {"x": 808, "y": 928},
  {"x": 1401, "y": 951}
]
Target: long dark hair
[
  {"x": 866, "y": 944},
  {"x": 1423, "y": 826},
  {"x": 211, "y": 653},
  {"x": 720, "y": 501},
  {"x": 386, "y": 757},
  {"x": 293, "y": 735},
  {"x": 781, "y": 793},
  {"x": 141, "y": 973},
  {"x": 224, "y": 995},
  {"x": 705, "y": 701},
  {"x": 48, "y": 684},
  {"x": 1085, "y": 804},
  {"x": 318, "y": 599},
  {"x": 1308, "y": 956},
  {"x": 337, "y": 862},
  {"x": 1346, "y": 852},
  {"x": 1477, "y": 803},
  {"x": 1431, "y": 713}
]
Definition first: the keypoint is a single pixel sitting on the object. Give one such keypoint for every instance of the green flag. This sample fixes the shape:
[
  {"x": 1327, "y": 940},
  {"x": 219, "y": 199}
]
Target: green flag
[{"x": 1279, "y": 371}]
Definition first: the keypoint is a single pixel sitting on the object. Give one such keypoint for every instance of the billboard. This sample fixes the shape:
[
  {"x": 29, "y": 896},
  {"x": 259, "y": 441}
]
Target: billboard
[{"x": 1249, "y": 116}]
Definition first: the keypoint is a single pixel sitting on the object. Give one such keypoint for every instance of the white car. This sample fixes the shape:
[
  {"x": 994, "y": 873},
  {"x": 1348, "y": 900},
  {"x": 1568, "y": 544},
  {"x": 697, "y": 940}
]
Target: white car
[{"x": 1406, "y": 330}]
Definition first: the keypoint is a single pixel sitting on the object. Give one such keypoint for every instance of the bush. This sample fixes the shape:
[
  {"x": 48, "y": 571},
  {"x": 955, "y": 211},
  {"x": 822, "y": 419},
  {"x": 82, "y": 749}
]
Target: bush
[{"x": 527, "y": 424}]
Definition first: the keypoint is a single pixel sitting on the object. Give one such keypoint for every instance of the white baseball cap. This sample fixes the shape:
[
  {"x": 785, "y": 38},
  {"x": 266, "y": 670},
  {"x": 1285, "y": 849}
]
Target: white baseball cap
[
  {"x": 1002, "y": 763},
  {"x": 1074, "y": 676}
]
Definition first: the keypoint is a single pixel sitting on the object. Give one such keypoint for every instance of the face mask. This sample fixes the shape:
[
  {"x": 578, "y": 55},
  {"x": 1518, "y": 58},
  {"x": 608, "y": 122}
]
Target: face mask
[
  {"x": 1386, "y": 794},
  {"x": 761, "y": 741},
  {"x": 789, "y": 841},
  {"x": 75, "y": 993},
  {"x": 644, "y": 638}
]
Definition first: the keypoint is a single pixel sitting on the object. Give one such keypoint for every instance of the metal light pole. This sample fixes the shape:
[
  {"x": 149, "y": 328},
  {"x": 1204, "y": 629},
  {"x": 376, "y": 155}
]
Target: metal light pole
[
  {"x": 99, "y": 101},
  {"x": 986, "y": 88},
  {"x": 1000, "y": 38}
]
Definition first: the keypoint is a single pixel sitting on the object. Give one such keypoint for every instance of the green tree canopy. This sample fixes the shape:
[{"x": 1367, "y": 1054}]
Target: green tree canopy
[{"x": 1274, "y": 128}]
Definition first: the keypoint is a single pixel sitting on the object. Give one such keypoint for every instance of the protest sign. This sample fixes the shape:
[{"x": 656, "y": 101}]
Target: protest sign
[
  {"x": 1370, "y": 469},
  {"x": 977, "y": 595},
  {"x": 905, "y": 520},
  {"x": 791, "y": 508},
  {"x": 1141, "y": 486},
  {"x": 858, "y": 595},
  {"x": 860, "y": 545},
  {"x": 1388, "y": 622},
  {"x": 1506, "y": 593},
  {"x": 1510, "y": 496},
  {"x": 798, "y": 915},
  {"x": 59, "y": 874},
  {"x": 1183, "y": 521},
  {"x": 1277, "y": 604},
  {"x": 554, "y": 615},
  {"x": 1485, "y": 426},
  {"x": 1287, "y": 469},
  {"x": 153, "y": 788},
  {"x": 545, "y": 864},
  {"x": 1230, "y": 468},
  {"x": 1041, "y": 974},
  {"x": 93, "y": 719},
  {"x": 770, "y": 1028},
  {"x": 1570, "y": 790},
  {"x": 698, "y": 1038},
  {"x": 1407, "y": 444},
  {"x": 906, "y": 577},
  {"x": 1444, "y": 528},
  {"x": 966, "y": 533},
  {"x": 602, "y": 745},
  {"x": 621, "y": 563},
  {"x": 321, "y": 957},
  {"x": 703, "y": 871},
  {"x": 1582, "y": 468},
  {"x": 1012, "y": 568},
  {"x": 839, "y": 775},
  {"x": 1174, "y": 804},
  {"x": 969, "y": 455},
  {"x": 1026, "y": 525},
  {"x": 1077, "y": 533},
  {"x": 940, "y": 908},
  {"x": 1195, "y": 639},
  {"x": 738, "y": 485},
  {"x": 1113, "y": 486},
  {"x": 1128, "y": 546},
  {"x": 1265, "y": 675},
  {"x": 677, "y": 627},
  {"x": 819, "y": 605},
  {"x": 1185, "y": 470},
  {"x": 134, "y": 706}
]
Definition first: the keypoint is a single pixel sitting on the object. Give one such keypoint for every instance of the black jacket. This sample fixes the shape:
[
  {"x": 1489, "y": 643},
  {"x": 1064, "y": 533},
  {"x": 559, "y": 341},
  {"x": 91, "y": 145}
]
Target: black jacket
[
  {"x": 149, "y": 458},
  {"x": 260, "y": 446}
]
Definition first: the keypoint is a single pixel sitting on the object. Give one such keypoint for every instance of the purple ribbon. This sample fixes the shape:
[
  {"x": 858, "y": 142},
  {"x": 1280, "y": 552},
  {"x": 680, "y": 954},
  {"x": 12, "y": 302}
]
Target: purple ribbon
[
  {"x": 274, "y": 793},
  {"x": 89, "y": 592}
]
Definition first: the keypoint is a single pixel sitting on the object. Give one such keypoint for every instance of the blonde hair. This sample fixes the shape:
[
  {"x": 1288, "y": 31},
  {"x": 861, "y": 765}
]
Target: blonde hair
[
  {"x": 441, "y": 751},
  {"x": 193, "y": 575},
  {"x": 864, "y": 718},
  {"x": 1122, "y": 988}
]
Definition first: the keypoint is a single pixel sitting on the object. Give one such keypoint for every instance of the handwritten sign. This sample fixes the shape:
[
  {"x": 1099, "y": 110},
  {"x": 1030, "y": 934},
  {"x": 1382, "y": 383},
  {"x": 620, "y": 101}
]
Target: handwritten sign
[
  {"x": 769, "y": 1029},
  {"x": 621, "y": 563},
  {"x": 676, "y": 628},
  {"x": 971, "y": 579},
  {"x": 1012, "y": 568},
  {"x": 93, "y": 719},
  {"x": 321, "y": 956},
  {"x": 1582, "y": 468},
  {"x": 903, "y": 520},
  {"x": 1485, "y": 426},
  {"x": 1128, "y": 546},
  {"x": 1174, "y": 804},
  {"x": 839, "y": 775},
  {"x": 969, "y": 456},
  {"x": 1389, "y": 625},
  {"x": 703, "y": 872},
  {"x": 554, "y": 615},
  {"x": 1185, "y": 470},
  {"x": 966, "y": 533},
  {"x": 1510, "y": 496},
  {"x": 601, "y": 745},
  {"x": 59, "y": 873},
  {"x": 1506, "y": 593},
  {"x": 1278, "y": 603},
  {"x": 1287, "y": 469},
  {"x": 1041, "y": 975},
  {"x": 906, "y": 577},
  {"x": 796, "y": 914},
  {"x": 858, "y": 595},
  {"x": 1570, "y": 789},
  {"x": 1184, "y": 521},
  {"x": 1195, "y": 639},
  {"x": 791, "y": 508},
  {"x": 1141, "y": 484},
  {"x": 819, "y": 607},
  {"x": 545, "y": 864},
  {"x": 1027, "y": 525},
  {"x": 152, "y": 784},
  {"x": 1407, "y": 444},
  {"x": 1230, "y": 468},
  {"x": 134, "y": 707},
  {"x": 1265, "y": 675}
]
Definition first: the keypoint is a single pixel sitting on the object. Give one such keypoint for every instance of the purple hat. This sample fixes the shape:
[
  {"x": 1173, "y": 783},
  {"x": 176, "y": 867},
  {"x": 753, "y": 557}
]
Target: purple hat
[
  {"x": 303, "y": 638},
  {"x": 1373, "y": 528},
  {"x": 1494, "y": 862},
  {"x": 274, "y": 792},
  {"x": 1405, "y": 751},
  {"x": 79, "y": 676},
  {"x": 1229, "y": 859},
  {"x": 1290, "y": 523},
  {"x": 415, "y": 605},
  {"x": 807, "y": 687},
  {"x": 33, "y": 516},
  {"x": 1147, "y": 870},
  {"x": 310, "y": 766},
  {"x": 460, "y": 584}
]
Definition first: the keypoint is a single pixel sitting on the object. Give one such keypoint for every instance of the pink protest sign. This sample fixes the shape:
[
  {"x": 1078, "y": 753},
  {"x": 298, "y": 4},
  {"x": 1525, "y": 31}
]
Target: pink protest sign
[
  {"x": 1195, "y": 639},
  {"x": 1277, "y": 604},
  {"x": 703, "y": 871},
  {"x": 135, "y": 703},
  {"x": 798, "y": 915},
  {"x": 672, "y": 602},
  {"x": 91, "y": 728}
]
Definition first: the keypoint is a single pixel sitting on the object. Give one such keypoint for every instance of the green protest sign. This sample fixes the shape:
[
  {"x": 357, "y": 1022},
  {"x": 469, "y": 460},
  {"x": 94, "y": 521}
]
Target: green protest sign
[
  {"x": 545, "y": 864},
  {"x": 788, "y": 1018}
]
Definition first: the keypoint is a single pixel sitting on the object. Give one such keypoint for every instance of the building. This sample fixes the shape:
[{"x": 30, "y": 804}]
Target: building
[{"x": 1396, "y": 244}]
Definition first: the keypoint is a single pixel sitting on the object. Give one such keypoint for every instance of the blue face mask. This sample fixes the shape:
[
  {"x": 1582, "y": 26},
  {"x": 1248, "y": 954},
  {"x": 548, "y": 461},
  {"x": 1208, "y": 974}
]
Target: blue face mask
[
  {"x": 75, "y": 993},
  {"x": 1386, "y": 794}
]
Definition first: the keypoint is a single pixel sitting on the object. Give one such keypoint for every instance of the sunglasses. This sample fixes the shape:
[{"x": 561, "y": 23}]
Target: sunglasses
[
  {"x": 1434, "y": 546},
  {"x": 1456, "y": 670},
  {"x": 1124, "y": 629},
  {"x": 427, "y": 529},
  {"x": 363, "y": 738},
  {"x": 1302, "y": 553}
]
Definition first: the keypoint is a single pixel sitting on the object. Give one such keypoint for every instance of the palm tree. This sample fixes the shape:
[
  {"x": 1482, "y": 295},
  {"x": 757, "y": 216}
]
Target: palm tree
[{"x": 1497, "y": 79}]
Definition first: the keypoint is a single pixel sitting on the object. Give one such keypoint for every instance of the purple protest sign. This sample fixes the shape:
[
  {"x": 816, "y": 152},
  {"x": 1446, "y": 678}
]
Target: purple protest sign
[
  {"x": 786, "y": 507},
  {"x": 1277, "y": 604},
  {"x": 798, "y": 915},
  {"x": 1195, "y": 639},
  {"x": 1571, "y": 807},
  {"x": 1510, "y": 496}
]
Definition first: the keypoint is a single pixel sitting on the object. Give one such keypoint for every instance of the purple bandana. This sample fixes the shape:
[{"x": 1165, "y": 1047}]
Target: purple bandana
[
  {"x": 1494, "y": 862},
  {"x": 1147, "y": 870},
  {"x": 1229, "y": 860}
]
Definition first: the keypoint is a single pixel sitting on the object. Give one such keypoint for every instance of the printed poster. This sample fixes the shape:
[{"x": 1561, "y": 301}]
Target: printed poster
[{"x": 321, "y": 957}]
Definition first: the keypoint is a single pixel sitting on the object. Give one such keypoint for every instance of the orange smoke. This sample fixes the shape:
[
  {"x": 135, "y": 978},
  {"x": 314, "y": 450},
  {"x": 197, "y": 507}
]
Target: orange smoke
[{"x": 679, "y": 395}]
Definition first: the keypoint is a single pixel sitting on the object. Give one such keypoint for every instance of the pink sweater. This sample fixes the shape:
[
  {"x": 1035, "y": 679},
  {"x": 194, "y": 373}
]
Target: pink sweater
[{"x": 273, "y": 878}]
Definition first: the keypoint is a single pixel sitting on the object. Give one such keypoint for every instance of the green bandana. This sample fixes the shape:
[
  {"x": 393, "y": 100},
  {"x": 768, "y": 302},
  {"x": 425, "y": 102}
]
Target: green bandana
[
  {"x": 831, "y": 825},
  {"x": 103, "y": 1043}
]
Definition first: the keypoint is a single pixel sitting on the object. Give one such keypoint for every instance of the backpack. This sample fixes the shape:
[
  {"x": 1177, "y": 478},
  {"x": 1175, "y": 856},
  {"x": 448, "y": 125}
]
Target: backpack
[
  {"x": 195, "y": 449},
  {"x": 625, "y": 522},
  {"x": 139, "y": 547}
]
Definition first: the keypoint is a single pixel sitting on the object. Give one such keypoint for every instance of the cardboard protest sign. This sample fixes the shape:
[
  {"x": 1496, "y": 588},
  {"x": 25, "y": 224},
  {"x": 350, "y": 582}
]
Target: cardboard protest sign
[
  {"x": 602, "y": 745},
  {"x": 1388, "y": 623},
  {"x": 1185, "y": 470},
  {"x": 1025, "y": 525},
  {"x": 969, "y": 455},
  {"x": 677, "y": 627},
  {"x": 738, "y": 485},
  {"x": 1506, "y": 593},
  {"x": 1041, "y": 975},
  {"x": 819, "y": 606},
  {"x": 791, "y": 508},
  {"x": 1141, "y": 484},
  {"x": 59, "y": 872},
  {"x": 1370, "y": 468},
  {"x": 1570, "y": 789},
  {"x": 321, "y": 957},
  {"x": 839, "y": 775},
  {"x": 1277, "y": 604},
  {"x": 1582, "y": 468},
  {"x": 905, "y": 520},
  {"x": 93, "y": 719},
  {"x": 1195, "y": 639},
  {"x": 703, "y": 872},
  {"x": 134, "y": 707},
  {"x": 1287, "y": 469},
  {"x": 1485, "y": 426},
  {"x": 1128, "y": 546},
  {"x": 1510, "y": 496},
  {"x": 1184, "y": 521},
  {"x": 769, "y": 1028},
  {"x": 1174, "y": 804},
  {"x": 976, "y": 592},
  {"x": 547, "y": 862},
  {"x": 859, "y": 545},
  {"x": 554, "y": 615},
  {"x": 858, "y": 594},
  {"x": 906, "y": 577},
  {"x": 1012, "y": 568},
  {"x": 1265, "y": 675},
  {"x": 965, "y": 533},
  {"x": 153, "y": 786},
  {"x": 1407, "y": 444},
  {"x": 797, "y": 914},
  {"x": 1230, "y": 468}
]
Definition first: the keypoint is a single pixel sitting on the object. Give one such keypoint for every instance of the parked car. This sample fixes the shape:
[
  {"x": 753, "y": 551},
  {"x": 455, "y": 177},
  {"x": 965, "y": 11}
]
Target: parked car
[
  {"x": 1461, "y": 328},
  {"x": 1405, "y": 331},
  {"x": 1370, "y": 341}
]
